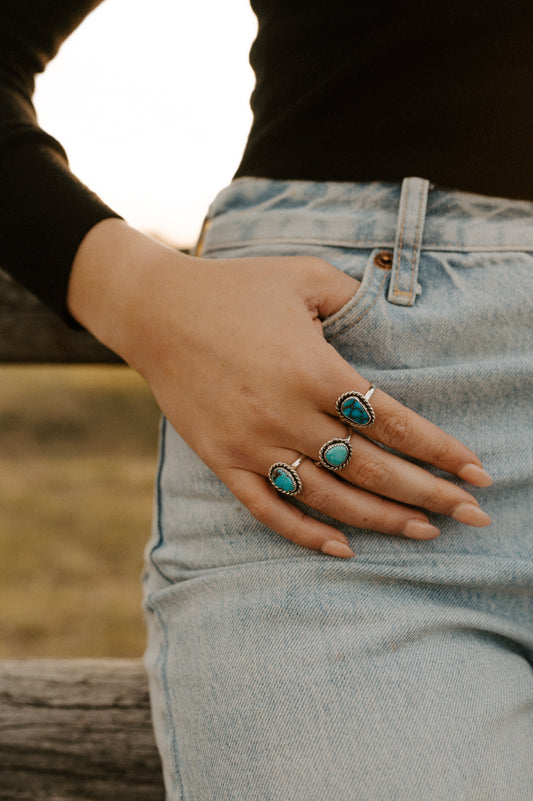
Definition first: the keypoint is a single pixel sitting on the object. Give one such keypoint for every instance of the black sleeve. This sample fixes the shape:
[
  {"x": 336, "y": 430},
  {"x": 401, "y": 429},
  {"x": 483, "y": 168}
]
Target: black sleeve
[{"x": 44, "y": 210}]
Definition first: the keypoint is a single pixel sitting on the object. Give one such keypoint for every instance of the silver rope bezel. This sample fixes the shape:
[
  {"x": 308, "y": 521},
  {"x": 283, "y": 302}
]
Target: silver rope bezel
[
  {"x": 363, "y": 400},
  {"x": 288, "y": 468},
  {"x": 329, "y": 444}
]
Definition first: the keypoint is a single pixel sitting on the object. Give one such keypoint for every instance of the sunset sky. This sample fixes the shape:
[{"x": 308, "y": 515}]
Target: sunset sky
[{"x": 150, "y": 100}]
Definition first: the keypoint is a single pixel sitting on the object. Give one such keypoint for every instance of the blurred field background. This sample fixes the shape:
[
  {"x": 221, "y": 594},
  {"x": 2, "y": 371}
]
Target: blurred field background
[{"x": 77, "y": 464}]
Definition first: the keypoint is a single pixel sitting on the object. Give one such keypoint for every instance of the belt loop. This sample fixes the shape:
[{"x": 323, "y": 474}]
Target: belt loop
[{"x": 404, "y": 287}]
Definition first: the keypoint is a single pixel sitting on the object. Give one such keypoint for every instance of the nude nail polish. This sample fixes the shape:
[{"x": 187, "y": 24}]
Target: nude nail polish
[
  {"x": 336, "y": 548},
  {"x": 420, "y": 530},
  {"x": 475, "y": 475},
  {"x": 471, "y": 514}
]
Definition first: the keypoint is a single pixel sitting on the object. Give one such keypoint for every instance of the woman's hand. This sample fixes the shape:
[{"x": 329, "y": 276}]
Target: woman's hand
[{"x": 234, "y": 353}]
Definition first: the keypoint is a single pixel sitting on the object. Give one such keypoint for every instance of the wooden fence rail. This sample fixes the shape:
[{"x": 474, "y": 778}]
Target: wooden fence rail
[
  {"x": 31, "y": 333},
  {"x": 76, "y": 730}
]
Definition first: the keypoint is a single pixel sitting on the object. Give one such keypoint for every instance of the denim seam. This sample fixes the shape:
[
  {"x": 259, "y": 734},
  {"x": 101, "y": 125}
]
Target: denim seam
[
  {"x": 168, "y": 708},
  {"x": 372, "y": 243},
  {"x": 344, "y": 243},
  {"x": 159, "y": 495}
]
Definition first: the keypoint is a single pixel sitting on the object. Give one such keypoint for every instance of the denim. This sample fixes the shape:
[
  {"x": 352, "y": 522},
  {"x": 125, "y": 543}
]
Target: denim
[{"x": 403, "y": 674}]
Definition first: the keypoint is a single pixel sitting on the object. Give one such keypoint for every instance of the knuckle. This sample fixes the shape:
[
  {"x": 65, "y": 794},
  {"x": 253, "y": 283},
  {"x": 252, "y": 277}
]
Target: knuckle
[
  {"x": 315, "y": 267},
  {"x": 431, "y": 499},
  {"x": 442, "y": 452},
  {"x": 317, "y": 497},
  {"x": 397, "y": 430},
  {"x": 237, "y": 456},
  {"x": 372, "y": 475},
  {"x": 265, "y": 414}
]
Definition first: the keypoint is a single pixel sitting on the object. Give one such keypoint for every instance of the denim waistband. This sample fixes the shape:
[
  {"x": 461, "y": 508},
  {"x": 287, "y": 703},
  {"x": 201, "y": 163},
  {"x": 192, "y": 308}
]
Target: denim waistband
[{"x": 366, "y": 215}]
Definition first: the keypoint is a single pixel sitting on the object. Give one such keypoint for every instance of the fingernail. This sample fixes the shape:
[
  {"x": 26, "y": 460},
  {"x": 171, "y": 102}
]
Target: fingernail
[
  {"x": 475, "y": 474},
  {"x": 471, "y": 515},
  {"x": 336, "y": 548},
  {"x": 419, "y": 530}
]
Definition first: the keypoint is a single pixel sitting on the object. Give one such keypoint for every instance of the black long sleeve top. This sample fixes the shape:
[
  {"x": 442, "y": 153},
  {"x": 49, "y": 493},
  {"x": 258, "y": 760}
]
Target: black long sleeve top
[{"x": 345, "y": 90}]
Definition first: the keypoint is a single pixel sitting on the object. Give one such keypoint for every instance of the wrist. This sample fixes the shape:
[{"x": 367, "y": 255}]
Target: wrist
[{"x": 113, "y": 273}]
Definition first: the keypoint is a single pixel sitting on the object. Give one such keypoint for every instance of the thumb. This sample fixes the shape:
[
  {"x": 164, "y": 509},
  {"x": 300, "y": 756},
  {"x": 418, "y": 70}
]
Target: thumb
[{"x": 331, "y": 290}]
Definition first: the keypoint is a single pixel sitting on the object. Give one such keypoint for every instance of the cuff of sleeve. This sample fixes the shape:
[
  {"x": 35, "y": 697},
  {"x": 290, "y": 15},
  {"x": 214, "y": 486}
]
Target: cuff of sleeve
[{"x": 46, "y": 212}]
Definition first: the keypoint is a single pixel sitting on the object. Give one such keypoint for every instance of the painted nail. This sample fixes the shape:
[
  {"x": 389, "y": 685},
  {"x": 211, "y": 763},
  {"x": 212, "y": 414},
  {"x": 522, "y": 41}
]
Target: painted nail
[
  {"x": 420, "y": 530},
  {"x": 475, "y": 475},
  {"x": 336, "y": 548},
  {"x": 471, "y": 514}
]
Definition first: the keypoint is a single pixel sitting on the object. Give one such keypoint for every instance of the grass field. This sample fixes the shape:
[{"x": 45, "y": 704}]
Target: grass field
[{"x": 77, "y": 462}]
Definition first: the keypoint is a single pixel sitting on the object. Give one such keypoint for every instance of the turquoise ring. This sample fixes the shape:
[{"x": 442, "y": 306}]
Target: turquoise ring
[
  {"x": 335, "y": 453},
  {"x": 355, "y": 408},
  {"x": 284, "y": 477}
]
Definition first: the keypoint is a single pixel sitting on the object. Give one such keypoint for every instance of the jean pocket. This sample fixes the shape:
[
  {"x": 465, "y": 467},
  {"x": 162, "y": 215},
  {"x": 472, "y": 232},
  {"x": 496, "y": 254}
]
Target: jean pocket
[{"x": 374, "y": 279}]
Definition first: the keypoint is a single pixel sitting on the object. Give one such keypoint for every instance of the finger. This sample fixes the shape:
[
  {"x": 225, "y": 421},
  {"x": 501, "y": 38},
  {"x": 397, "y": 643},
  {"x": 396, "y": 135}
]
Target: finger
[
  {"x": 264, "y": 503},
  {"x": 326, "y": 288},
  {"x": 386, "y": 474},
  {"x": 323, "y": 492},
  {"x": 406, "y": 431},
  {"x": 336, "y": 499},
  {"x": 374, "y": 469},
  {"x": 410, "y": 433}
]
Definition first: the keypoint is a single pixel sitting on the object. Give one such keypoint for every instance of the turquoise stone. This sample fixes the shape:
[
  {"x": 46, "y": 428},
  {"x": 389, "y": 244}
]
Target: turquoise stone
[
  {"x": 337, "y": 455},
  {"x": 353, "y": 410},
  {"x": 283, "y": 480}
]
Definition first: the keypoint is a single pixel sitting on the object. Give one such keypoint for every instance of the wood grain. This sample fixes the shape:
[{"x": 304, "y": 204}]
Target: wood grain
[{"x": 76, "y": 729}]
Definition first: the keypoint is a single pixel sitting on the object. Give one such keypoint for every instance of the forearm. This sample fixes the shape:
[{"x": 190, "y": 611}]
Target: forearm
[{"x": 44, "y": 210}]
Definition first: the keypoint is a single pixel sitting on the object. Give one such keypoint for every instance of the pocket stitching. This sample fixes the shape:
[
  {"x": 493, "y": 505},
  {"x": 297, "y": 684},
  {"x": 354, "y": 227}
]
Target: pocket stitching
[
  {"x": 357, "y": 297},
  {"x": 347, "y": 328},
  {"x": 356, "y": 300}
]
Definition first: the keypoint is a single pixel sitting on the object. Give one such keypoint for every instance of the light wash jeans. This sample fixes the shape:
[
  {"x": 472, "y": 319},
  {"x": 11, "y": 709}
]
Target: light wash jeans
[{"x": 403, "y": 674}]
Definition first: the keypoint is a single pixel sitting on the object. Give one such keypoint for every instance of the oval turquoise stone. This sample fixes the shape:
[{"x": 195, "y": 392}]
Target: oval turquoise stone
[
  {"x": 283, "y": 480},
  {"x": 337, "y": 455},
  {"x": 353, "y": 410}
]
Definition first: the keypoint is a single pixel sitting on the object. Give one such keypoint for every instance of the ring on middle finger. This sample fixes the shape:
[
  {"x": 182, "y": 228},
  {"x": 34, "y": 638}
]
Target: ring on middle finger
[
  {"x": 336, "y": 453},
  {"x": 356, "y": 409}
]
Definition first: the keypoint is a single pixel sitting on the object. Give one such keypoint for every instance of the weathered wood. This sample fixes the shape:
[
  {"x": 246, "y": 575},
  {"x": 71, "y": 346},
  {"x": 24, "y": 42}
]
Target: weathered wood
[
  {"x": 76, "y": 730},
  {"x": 31, "y": 333}
]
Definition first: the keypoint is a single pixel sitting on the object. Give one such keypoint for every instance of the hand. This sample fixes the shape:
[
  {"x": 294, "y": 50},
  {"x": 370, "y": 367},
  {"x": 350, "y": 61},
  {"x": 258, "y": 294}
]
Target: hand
[{"x": 234, "y": 353}]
